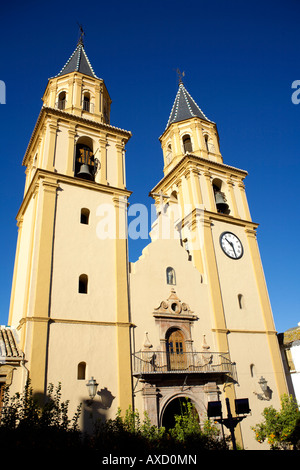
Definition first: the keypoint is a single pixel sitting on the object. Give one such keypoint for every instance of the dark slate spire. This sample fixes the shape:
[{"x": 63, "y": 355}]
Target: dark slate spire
[
  {"x": 78, "y": 62},
  {"x": 184, "y": 107}
]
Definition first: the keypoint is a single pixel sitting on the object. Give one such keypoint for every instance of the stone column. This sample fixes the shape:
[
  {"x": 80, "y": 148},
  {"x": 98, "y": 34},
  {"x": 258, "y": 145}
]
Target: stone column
[{"x": 150, "y": 402}]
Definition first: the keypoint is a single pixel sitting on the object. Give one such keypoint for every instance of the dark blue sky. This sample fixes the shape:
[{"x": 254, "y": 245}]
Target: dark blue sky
[{"x": 240, "y": 59}]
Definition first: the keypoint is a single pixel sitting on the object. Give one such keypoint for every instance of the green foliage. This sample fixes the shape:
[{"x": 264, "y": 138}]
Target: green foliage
[
  {"x": 25, "y": 423},
  {"x": 136, "y": 436},
  {"x": 127, "y": 434},
  {"x": 190, "y": 433},
  {"x": 281, "y": 429}
]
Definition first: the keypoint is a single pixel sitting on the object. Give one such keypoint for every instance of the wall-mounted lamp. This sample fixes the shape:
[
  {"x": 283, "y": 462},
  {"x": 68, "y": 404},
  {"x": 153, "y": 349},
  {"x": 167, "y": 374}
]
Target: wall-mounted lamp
[
  {"x": 266, "y": 395},
  {"x": 92, "y": 388}
]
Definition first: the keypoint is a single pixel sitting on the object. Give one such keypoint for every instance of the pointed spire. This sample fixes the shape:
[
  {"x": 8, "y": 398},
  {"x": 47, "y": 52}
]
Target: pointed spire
[
  {"x": 78, "y": 61},
  {"x": 184, "y": 106}
]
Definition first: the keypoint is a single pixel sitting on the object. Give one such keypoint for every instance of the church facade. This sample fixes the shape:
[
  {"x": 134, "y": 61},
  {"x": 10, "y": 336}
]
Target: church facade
[{"x": 190, "y": 319}]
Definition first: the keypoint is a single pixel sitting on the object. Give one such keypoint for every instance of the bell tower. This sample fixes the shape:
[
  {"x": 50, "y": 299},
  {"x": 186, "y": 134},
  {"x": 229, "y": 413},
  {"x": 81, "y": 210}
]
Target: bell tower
[
  {"x": 69, "y": 300},
  {"x": 214, "y": 224},
  {"x": 188, "y": 131}
]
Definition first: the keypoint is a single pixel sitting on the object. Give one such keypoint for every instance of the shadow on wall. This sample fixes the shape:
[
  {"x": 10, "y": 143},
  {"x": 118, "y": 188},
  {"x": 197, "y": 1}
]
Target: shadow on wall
[{"x": 97, "y": 409}]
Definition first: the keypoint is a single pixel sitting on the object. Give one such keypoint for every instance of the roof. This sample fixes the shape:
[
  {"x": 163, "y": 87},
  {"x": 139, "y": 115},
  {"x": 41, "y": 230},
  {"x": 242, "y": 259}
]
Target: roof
[
  {"x": 78, "y": 62},
  {"x": 8, "y": 345},
  {"x": 184, "y": 107},
  {"x": 292, "y": 335}
]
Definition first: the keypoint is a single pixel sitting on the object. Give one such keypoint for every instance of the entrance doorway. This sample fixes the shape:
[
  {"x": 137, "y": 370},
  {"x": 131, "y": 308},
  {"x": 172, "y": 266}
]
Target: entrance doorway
[
  {"x": 176, "y": 353},
  {"x": 178, "y": 406}
]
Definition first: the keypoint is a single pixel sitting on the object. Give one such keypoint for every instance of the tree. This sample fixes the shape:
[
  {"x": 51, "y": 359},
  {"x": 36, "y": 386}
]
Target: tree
[
  {"x": 281, "y": 429},
  {"x": 24, "y": 423}
]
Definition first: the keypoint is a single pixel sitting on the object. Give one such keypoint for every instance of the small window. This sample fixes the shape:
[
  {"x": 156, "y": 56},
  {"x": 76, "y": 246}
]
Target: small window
[
  {"x": 81, "y": 371},
  {"x": 83, "y": 284},
  {"x": 84, "y": 216},
  {"x": 241, "y": 301},
  {"x": 253, "y": 370},
  {"x": 170, "y": 272},
  {"x": 206, "y": 142},
  {"x": 187, "y": 144}
]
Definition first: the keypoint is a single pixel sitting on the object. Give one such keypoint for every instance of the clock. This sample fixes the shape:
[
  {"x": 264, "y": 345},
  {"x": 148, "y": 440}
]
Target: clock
[{"x": 231, "y": 245}]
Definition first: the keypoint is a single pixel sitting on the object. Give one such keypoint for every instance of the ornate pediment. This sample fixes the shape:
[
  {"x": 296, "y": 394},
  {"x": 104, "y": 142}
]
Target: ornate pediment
[{"x": 173, "y": 307}]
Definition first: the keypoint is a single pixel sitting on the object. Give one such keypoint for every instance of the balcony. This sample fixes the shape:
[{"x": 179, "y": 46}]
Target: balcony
[{"x": 160, "y": 362}]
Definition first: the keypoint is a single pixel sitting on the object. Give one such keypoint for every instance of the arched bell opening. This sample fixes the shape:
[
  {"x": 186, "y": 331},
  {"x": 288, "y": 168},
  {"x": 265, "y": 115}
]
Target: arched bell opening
[
  {"x": 85, "y": 162},
  {"x": 173, "y": 198},
  {"x": 86, "y": 102},
  {"x": 220, "y": 197},
  {"x": 61, "y": 102},
  {"x": 169, "y": 154},
  {"x": 187, "y": 143}
]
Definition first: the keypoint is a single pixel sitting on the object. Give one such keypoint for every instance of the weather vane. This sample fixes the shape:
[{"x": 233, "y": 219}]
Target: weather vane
[
  {"x": 82, "y": 33},
  {"x": 180, "y": 75}
]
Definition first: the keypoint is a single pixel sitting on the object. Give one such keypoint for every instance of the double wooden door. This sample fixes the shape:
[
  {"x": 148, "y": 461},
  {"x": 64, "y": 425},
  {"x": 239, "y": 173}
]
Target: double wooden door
[{"x": 176, "y": 353}]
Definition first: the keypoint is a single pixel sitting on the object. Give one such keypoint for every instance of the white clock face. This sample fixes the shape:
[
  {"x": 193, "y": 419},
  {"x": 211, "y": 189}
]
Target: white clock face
[{"x": 231, "y": 245}]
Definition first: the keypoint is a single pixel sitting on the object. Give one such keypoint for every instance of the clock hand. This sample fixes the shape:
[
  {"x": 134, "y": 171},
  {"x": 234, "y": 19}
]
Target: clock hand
[{"x": 232, "y": 246}]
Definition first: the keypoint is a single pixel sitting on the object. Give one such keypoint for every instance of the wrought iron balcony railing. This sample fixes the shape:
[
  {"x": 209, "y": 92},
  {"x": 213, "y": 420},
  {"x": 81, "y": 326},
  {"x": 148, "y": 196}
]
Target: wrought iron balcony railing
[{"x": 161, "y": 362}]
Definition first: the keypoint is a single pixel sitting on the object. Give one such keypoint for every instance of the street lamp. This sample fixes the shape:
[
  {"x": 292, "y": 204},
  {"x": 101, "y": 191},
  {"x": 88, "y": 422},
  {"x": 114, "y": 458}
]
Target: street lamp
[{"x": 92, "y": 388}]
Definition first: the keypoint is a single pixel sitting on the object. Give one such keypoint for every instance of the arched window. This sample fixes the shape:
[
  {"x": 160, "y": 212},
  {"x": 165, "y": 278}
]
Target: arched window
[
  {"x": 241, "y": 301},
  {"x": 84, "y": 216},
  {"x": 206, "y": 142},
  {"x": 83, "y": 284},
  {"x": 187, "y": 143},
  {"x": 81, "y": 368},
  {"x": 85, "y": 162},
  {"x": 169, "y": 154},
  {"x": 61, "y": 104},
  {"x": 171, "y": 278},
  {"x": 253, "y": 370},
  {"x": 86, "y": 102},
  {"x": 173, "y": 197}
]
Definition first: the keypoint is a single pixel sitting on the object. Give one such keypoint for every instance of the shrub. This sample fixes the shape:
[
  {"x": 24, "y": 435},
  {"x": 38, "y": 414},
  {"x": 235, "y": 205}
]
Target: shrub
[
  {"x": 26, "y": 424},
  {"x": 281, "y": 429},
  {"x": 130, "y": 435}
]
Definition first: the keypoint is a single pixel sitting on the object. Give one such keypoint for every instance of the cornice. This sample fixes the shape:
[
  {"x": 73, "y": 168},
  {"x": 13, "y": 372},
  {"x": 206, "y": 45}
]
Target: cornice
[
  {"x": 74, "y": 322},
  {"x": 53, "y": 179},
  {"x": 45, "y": 110},
  {"x": 202, "y": 163}
]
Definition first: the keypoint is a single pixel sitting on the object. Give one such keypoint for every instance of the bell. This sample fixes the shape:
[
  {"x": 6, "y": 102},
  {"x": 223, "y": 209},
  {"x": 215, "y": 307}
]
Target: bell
[
  {"x": 222, "y": 206},
  {"x": 84, "y": 172}
]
